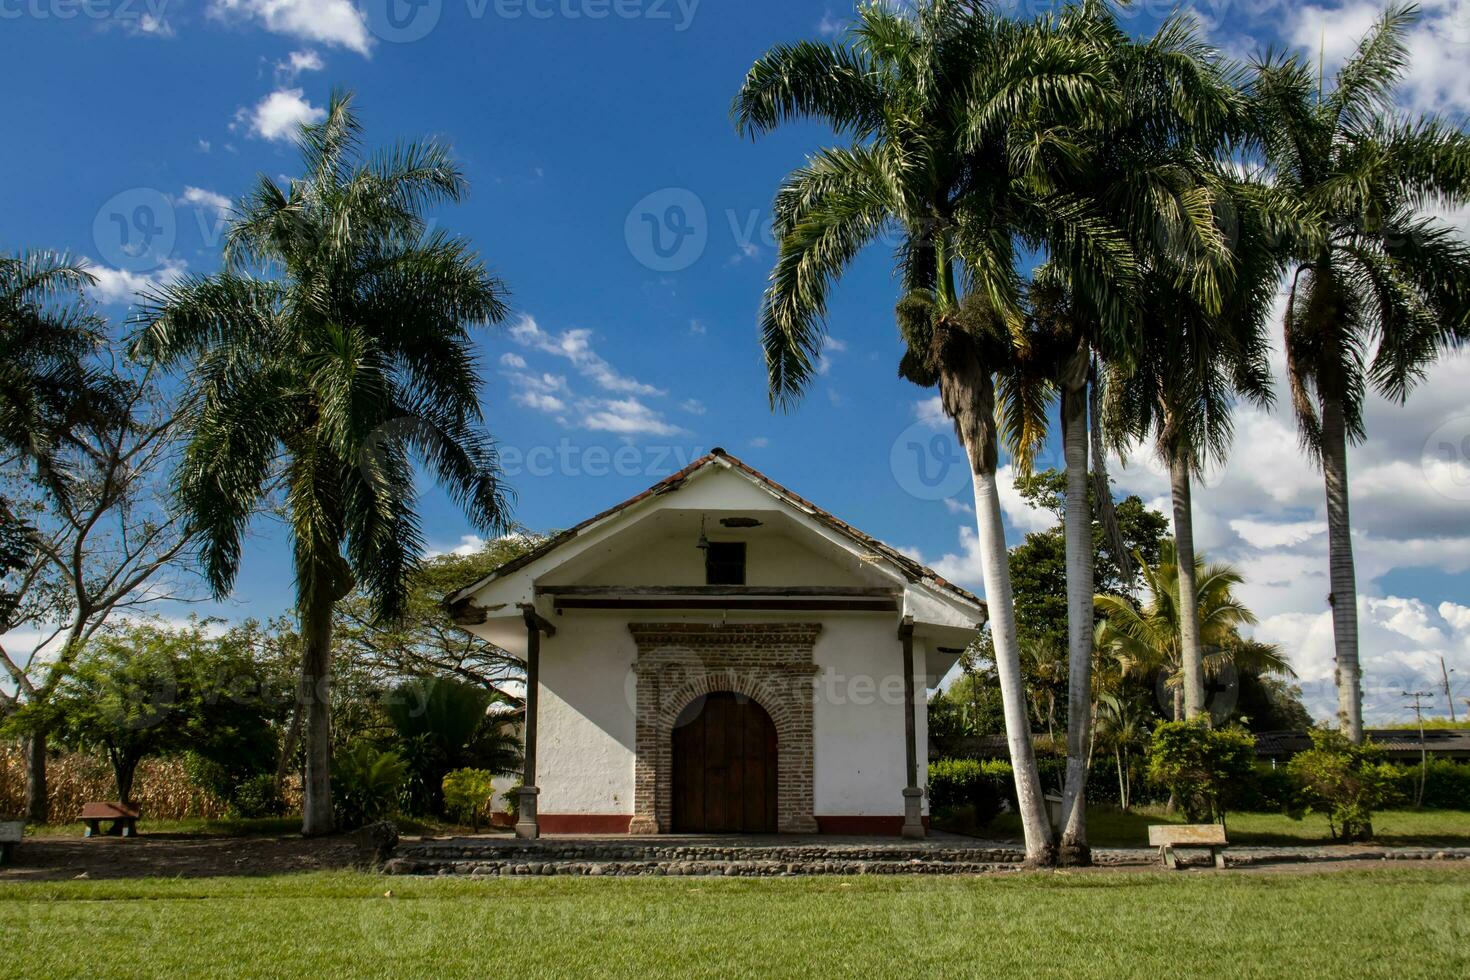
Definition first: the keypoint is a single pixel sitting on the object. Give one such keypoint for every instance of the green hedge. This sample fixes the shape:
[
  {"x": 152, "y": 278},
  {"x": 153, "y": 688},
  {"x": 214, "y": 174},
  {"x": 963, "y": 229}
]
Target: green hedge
[
  {"x": 1446, "y": 784},
  {"x": 955, "y": 783}
]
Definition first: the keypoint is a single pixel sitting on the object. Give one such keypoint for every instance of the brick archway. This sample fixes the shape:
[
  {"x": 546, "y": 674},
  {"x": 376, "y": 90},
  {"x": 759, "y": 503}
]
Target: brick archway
[{"x": 770, "y": 663}]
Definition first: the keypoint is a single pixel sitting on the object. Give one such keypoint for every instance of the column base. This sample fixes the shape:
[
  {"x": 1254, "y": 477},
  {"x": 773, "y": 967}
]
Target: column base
[
  {"x": 643, "y": 824},
  {"x": 913, "y": 819},
  {"x": 528, "y": 827}
]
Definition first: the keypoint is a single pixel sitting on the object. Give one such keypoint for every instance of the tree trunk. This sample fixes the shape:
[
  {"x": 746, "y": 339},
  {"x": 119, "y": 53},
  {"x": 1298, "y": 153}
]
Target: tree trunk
[
  {"x": 38, "y": 802},
  {"x": 1344, "y": 596},
  {"x": 288, "y": 749},
  {"x": 1191, "y": 651},
  {"x": 314, "y": 693},
  {"x": 967, "y": 393},
  {"x": 1078, "y": 537},
  {"x": 124, "y": 768}
]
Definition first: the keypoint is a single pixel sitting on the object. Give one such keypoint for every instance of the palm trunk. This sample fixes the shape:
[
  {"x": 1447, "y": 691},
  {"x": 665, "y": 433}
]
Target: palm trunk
[
  {"x": 1035, "y": 823},
  {"x": 968, "y": 395},
  {"x": 314, "y": 692},
  {"x": 1191, "y": 652},
  {"x": 1343, "y": 577},
  {"x": 1078, "y": 536},
  {"x": 38, "y": 803}
]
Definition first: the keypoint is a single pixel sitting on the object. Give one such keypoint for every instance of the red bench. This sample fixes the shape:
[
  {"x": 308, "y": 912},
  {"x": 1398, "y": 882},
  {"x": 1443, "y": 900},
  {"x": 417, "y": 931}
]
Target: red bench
[{"x": 123, "y": 819}]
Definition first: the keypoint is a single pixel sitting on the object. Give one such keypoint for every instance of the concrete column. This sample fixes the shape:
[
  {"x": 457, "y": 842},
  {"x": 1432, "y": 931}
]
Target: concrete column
[
  {"x": 913, "y": 820},
  {"x": 527, "y": 825}
]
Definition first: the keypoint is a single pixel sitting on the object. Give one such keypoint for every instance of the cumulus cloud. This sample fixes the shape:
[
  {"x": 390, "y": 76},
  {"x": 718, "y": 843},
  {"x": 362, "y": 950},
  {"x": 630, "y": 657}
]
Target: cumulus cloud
[
  {"x": 123, "y": 286},
  {"x": 281, "y": 114},
  {"x": 209, "y": 200},
  {"x": 338, "y": 23},
  {"x": 627, "y": 417}
]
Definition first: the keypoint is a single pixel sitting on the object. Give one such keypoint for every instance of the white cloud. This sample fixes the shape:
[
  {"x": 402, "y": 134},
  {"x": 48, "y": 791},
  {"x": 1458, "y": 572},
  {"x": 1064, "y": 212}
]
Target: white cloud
[
  {"x": 201, "y": 198},
  {"x": 830, "y": 25},
  {"x": 1435, "y": 80},
  {"x": 759, "y": 442},
  {"x": 1267, "y": 534},
  {"x": 332, "y": 22},
  {"x": 299, "y": 61},
  {"x": 575, "y": 346},
  {"x": 625, "y": 416},
  {"x": 698, "y": 327},
  {"x": 123, "y": 286},
  {"x": 281, "y": 114},
  {"x": 513, "y": 361},
  {"x": 831, "y": 347},
  {"x": 930, "y": 411},
  {"x": 693, "y": 406}
]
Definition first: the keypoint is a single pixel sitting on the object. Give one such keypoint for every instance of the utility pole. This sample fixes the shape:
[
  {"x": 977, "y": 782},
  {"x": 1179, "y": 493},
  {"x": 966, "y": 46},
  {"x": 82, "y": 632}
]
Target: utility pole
[
  {"x": 1418, "y": 707},
  {"x": 1448, "y": 697}
]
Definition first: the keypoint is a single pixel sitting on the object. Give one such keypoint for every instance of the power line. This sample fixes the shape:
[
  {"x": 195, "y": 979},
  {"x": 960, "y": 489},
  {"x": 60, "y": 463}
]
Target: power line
[{"x": 1418, "y": 707}]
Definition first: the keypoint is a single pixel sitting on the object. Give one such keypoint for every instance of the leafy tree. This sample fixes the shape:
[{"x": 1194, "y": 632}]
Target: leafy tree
[
  {"x": 1201, "y": 766},
  {"x": 51, "y": 386},
  {"x": 149, "y": 689},
  {"x": 1381, "y": 288},
  {"x": 1038, "y": 566},
  {"x": 1345, "y": 781},
  {"x": 1268, "y": 703},
  {"x": 327, "y": 382}
]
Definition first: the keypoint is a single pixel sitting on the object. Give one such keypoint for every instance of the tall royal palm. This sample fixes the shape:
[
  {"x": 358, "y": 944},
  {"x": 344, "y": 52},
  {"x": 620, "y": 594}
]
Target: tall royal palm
[
  {"x": 1147, "y": 167},
  {"x": 330, "y": 357},
  {"x": 951, "y": 111},
  {"x": 1383, "y": 289}
]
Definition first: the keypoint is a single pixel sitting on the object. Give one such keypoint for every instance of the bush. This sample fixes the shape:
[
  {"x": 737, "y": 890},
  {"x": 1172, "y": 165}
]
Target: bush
[
  {"x": 468, "y": 794},
  {"x": 1446, "y": 784},
  {"x": 1269, "y": 790},
  {"x": 1346, "y": 782},
  {"x": 365, "y": 784},
  {"x": 955, "y": 783},
  {"x": 1206, "y": 769},
  {"x": 257, "y": 797}
]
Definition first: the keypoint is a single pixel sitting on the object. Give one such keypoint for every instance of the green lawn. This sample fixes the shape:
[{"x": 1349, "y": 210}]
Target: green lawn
[
  {"x": 1356, "y": 923},
  {"x": 1109, "y": 827}
]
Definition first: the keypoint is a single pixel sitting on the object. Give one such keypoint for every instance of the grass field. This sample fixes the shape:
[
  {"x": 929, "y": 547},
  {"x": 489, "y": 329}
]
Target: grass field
[
  {"x": 1360, "y": 923},
  {"x": 1110, "y": 827}
]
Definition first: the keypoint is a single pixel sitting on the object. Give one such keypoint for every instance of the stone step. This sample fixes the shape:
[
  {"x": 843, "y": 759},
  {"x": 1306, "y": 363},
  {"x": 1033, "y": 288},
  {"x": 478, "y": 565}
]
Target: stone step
[
  {"x": 686, "y": 868},
  {"x": 636, "y": 852}
]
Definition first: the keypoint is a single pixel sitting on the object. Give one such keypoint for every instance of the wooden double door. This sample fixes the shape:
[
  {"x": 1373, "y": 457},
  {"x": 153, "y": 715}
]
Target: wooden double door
[{"x": 724, "y": 761}]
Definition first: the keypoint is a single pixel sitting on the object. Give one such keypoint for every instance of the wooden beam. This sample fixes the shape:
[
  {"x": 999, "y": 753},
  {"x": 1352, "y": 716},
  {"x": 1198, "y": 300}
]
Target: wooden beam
[
  {"x": 536, "y": 620},
  {"x": 910, "y": 740},
  {"x": 731, "y": 603},
  {"x": 782, "y": 591}
]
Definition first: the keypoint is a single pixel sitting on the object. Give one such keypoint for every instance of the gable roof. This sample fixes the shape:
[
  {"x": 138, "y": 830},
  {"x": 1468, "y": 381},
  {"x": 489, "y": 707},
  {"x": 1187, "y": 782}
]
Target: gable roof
[{"x": 911, "y": 569}]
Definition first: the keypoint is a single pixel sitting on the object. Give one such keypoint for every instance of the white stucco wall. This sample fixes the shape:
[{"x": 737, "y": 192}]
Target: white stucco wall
[{"x": 587, "y": 729}]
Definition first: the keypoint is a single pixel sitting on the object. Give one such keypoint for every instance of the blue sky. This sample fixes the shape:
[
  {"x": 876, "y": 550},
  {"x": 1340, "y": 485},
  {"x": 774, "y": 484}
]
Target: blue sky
[{"x": 588, "y": 127}]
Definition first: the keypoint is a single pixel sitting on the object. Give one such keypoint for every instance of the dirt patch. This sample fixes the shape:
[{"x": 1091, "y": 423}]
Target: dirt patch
[{"x": 180, "y": 856}]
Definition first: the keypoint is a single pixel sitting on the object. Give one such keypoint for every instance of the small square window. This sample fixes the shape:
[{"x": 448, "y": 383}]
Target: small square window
[{"x": 724, "y": 563}]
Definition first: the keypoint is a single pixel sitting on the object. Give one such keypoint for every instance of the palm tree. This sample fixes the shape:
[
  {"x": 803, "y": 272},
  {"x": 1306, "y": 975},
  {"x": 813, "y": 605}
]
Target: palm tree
[
  {"x": 322, "y": 379},
  {"x": 1381, "y": 277},
  {"x": 1146, "y": 639},
  {"x": 1149, "y": 168},
  {"x": 951, "y": 111}
]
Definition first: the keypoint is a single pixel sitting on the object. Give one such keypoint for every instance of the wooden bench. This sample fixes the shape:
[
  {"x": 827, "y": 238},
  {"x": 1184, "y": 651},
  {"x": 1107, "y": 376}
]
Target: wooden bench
[
  {"x": 1166, "y": 837},
  {"x": 10, "y": 834},
  {"x": 123, "y": 819}
]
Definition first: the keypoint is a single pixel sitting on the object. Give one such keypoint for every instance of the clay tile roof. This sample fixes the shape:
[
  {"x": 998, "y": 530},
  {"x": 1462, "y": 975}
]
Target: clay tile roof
[{"x": 911, "y": 569}]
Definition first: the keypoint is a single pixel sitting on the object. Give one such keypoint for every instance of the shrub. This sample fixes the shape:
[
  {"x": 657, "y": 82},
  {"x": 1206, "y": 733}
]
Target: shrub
[
  {"x": 1446, "y": 784},
  {"x": 258, "y": 797},
  {"x": 1346, "y": 782},
  {"x": 1204, "y": 768},
  {"x": 1269, "y": 790},
  {"x": 365, "y": 784},
  {"x": 468, "y": 794},
  {"x": 955, "y": 783}
]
